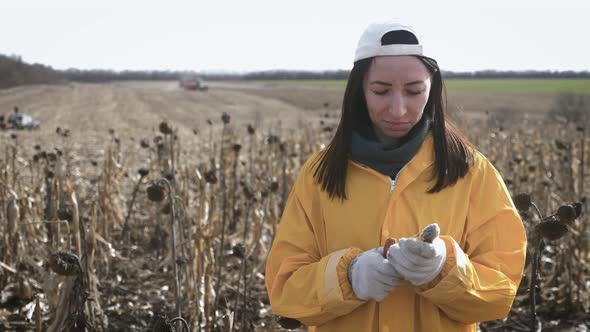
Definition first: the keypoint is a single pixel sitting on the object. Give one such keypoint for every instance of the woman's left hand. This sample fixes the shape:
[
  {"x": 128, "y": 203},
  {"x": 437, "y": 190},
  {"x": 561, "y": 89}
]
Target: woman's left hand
[{"x": 417, "y": 261}]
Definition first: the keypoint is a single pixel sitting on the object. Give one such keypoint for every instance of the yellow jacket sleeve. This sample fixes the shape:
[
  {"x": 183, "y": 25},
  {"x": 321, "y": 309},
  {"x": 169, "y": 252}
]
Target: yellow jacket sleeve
[
  {"x": 481, "y": 284},
  {"x": 303, "y": 282}
]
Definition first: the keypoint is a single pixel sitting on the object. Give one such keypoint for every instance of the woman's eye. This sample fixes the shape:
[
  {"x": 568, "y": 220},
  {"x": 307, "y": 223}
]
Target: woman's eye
[
  {"x": 380, "y": 93},
  {"x": 415, "y": 93}
]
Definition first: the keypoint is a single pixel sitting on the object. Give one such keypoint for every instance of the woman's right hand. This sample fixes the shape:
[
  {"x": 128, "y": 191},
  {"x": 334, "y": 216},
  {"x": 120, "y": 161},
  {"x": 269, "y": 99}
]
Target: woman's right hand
[{"x": 371, "y": 275}]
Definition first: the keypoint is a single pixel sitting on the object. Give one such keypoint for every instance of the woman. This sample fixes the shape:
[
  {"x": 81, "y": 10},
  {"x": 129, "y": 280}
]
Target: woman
[{"x": 395, "y": 166}]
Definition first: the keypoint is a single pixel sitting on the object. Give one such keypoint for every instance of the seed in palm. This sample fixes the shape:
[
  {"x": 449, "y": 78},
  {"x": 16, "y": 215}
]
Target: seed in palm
[
  {"x": 429, "y": 233},
  {"x": 388, "y": 243}
]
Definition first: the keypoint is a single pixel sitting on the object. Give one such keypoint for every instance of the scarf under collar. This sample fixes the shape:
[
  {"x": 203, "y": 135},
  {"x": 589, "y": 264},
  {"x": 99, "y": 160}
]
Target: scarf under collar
[{"x": 366, "y": 149}]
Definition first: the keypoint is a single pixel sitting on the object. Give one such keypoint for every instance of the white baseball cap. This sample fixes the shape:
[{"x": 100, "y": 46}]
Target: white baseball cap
[{"x": 402, "y": 41}]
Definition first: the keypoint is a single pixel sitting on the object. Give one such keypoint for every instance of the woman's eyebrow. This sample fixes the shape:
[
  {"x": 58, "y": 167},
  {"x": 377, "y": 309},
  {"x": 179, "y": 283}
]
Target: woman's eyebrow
[
  {"x": 389, "y": 84},
  {"x": 414, "y": 82},
  {"x": 380, "y": 83}
]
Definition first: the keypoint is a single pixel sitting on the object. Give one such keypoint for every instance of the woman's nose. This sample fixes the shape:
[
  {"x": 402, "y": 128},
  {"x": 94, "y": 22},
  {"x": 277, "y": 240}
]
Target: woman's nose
[{"x": 397, "y": 106}]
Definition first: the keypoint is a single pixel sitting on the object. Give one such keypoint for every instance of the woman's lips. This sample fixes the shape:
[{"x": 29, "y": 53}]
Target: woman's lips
[{"x": 396, "y": 125}]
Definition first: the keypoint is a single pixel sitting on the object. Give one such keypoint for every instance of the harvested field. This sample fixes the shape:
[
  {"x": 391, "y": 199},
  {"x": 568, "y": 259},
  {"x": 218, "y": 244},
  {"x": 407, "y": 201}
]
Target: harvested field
[{"x": 90, "y": 182}]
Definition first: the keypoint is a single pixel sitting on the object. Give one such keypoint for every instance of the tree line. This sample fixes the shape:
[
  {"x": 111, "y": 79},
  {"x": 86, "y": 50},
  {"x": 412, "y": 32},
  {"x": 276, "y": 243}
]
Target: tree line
[{"x": 14, "y": 71}]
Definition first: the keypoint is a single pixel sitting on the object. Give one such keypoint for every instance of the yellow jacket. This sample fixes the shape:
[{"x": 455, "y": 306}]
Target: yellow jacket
[{"x": 306, "y": 270}]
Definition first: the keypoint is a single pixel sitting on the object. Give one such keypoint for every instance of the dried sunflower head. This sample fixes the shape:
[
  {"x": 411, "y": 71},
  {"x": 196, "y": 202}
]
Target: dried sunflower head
[
  {"x": 165, "y": 128},
  {"x": 522, "y": 202},
  {"x": 239, "y": 251},
  {"x": 551, "y": 228},
  {"x": 289, "y": 323},
  {"x": 210, "y": 177},
  {"x": 225, "y": 118},
  {"x": 143, "y": 172},
  {"x": 155, "y": 193},
  {"x": 251, "y": 130},
  {"x": 566, "y": 213},
  {"x": 65, "y": 263}
]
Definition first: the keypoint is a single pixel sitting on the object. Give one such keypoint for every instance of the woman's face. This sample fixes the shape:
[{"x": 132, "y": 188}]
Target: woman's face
[{"x": 396, "y": 91}]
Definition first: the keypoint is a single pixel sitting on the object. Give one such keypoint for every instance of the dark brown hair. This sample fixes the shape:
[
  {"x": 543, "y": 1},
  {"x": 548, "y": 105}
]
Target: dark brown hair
[{"x": 452, "y": 153}]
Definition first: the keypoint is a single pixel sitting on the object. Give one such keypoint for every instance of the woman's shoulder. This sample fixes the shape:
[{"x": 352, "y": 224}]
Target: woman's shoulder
[
  {"x": 305, "y": 179},
  {"x": 481, "y": 165},
  {"x": 312, "y": 162}
]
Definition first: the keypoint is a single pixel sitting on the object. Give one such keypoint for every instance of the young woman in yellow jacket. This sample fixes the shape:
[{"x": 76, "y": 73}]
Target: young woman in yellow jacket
[{"x": 395, "y": 166}]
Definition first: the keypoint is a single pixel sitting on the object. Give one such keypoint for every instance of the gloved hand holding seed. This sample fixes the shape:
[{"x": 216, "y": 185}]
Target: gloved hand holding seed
[
  {"x": 371, "y": 275},
  {"x": 419, "y": 259}
]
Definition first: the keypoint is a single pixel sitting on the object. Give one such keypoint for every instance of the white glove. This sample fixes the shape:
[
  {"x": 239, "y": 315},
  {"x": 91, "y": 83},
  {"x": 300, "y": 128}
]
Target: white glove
[
  {"x": 371, "y": 276},
  {"x": 417, "y": 261}
]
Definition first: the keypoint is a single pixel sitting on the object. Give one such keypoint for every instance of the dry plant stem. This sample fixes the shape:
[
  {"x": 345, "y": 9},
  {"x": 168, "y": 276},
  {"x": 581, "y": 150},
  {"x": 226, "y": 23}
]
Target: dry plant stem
[
  {"x": 174, "y": 258},
  {"x": 234, "y": 189},
  {"x": 130, "y": 210},
  {"x": 65, "y": 299},
  {"x": 87, "y": 268},
  {"x": 38, "y": 322},
  {"x": 13, "y": 162},
  {"x": 539, "y": 214},
  {"x": 12, "y": 216},
  {"x": 250, "y": 185},
  {"x": 7, "y": 268},
  {"x": 50, "y": 210},
  {"x": 182, "y": 321},
  {"x": 246, "y": 220},
  {"x": 76, "y": 221},
  {"x": 535, "y": 275},
  {"x": 534, "y": 285},
  {"x": 238, "y": 293},
  {"x": 582, "y": 148},
  {"x": 208, "y": 281},
  {"x": 219, "y": 261},
  {"x": 56, "y": 222},
  {"x": 244, "y": 277},
  {"x": 572, "y": 182},
  {"x": 284, "y": 185},
  {"x": 172, "y": 165}
]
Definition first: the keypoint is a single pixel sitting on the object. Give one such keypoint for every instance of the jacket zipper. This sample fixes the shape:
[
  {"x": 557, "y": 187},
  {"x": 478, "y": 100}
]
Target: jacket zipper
[{"x": 393, "y": 181}]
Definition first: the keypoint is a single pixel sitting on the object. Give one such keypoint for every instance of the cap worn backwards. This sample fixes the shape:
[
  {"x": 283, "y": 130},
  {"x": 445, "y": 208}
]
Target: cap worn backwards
[{"x": 388, "y": 38}]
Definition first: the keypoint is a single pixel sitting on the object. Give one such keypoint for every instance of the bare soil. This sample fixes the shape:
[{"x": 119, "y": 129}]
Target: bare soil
[{"x": 135, "y": 107}]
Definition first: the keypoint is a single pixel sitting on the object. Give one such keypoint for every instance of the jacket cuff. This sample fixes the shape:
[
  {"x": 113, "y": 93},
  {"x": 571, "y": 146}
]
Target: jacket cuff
[
  {"x": 342, "y": 273},
  {"x": 455, "y": 258}
]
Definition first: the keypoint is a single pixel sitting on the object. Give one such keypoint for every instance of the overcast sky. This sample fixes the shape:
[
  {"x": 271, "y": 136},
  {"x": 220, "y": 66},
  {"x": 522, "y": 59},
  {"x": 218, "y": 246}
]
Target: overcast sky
[{"x": 250, "y": 35}]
